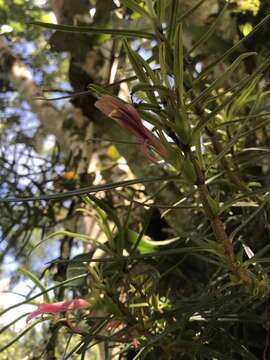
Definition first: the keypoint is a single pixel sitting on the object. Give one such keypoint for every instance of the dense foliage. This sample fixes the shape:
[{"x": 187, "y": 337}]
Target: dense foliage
[{"x": 135, "y": 178}]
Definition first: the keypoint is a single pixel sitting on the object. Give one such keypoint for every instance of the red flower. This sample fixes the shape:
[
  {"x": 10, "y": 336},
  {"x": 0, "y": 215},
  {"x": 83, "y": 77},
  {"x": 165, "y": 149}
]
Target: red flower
[
  {"x": 59, "y": 307},
  {"x": 128, "y": 118}
]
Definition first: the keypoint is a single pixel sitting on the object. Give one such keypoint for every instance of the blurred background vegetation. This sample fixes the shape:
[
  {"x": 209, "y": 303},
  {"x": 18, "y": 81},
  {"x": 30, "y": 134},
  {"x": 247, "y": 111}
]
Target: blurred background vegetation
[{"x": 174, "y": 298}]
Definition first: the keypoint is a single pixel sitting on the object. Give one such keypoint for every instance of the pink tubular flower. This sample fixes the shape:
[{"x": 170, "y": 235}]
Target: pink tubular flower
[
  {"x": 59, "y": 307},
  {"x": 128, "y": 118}
]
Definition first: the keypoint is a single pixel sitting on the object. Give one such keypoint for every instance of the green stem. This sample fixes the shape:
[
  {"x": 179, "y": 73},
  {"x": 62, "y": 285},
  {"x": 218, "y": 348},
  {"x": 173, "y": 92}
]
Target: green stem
[
  {"x": 216, "y": 224},
  {"x": 218, "y": 227}
]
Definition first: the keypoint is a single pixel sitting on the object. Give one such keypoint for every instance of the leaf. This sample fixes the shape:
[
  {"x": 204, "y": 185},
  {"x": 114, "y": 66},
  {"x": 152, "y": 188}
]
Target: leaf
[
  {"x": 226, "y": 74},
  {"x": 150, "y": 117},
  {"x": 142, "y": 70},
  {"x": 99, "y": 206},
  {"x": 209, "y": 32},
  {"x": 100, "y": 216},
  {"x": 82, "y": 237},
  {"x": 162, "y": 90},
  {"x": 89, "y": 29},
  {"x": 233, "y": 48},
  {"x": 131, "y": 4},
  {"x": 236, "y": 105},
  {"x": 245, "y": 204},
  {"x": 99, "y": 90},
  {"x": 249, "y": 218},
  {"x": 261, "y": 68},
  {"x": 243, "y": 98},
  {"x": 150, "y": 5},
  {"x": 134, "y": 59},
  {"x": 88, "y": 189},
  {"x": 36, "y": 281},
  {"x": 161, "y": 9},
  {"x": 144, "y": 247},
  {"x": 163, "y": 64},
  {"x": 77, "y": 266},
  {"x": 172, "y": 20},
  {"x": 190, "y": 11},
  {"x": 178, "y": 63}
]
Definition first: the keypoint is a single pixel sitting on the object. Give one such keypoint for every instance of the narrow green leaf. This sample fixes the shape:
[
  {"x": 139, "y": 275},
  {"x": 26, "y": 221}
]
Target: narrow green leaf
[
  {"x": 165, "y": 242},
  {"x": 36, "y": 281},
  {"x": 190, "y": 11},
  {"x": 239, "y": 119},
  {"x": 82, "y": 237},
  {"x": 162, "y": 62},
  {"x": 135, "y": 63},
  {"x": 149, "y": 107},
  {"x": 151, "y": 75},
  {"x": 233, "y": 48},
  {"x": 172, "y": 20},
  {"x": 178, "y": 63},
  {"x": 239, "y": 102},
  {"x": 110, "y": 213},
  {"x": 77, "y": 266},
  {"x": 99, "y": 90},
  {"x": 249, "y": 218},
  {"x": 154, "y": 88},
  {"x": 89, "y": 29},
  {"x": 75, "y": 94},
  {"x": 150, "y": 6},
  {"x": 101, "y": 216},
  {"x": 142, "y": 70},
  {"x": 161, "y": 9},
  {"x": 228, "y": 90},
  {"x": 226, "y": 74},
  {"x": 131, "y": 4},
  {"x": 151, "y": 118},
  {"x": 243, "y": 98},
  {"x": 139, "y": 238},
  {"x": 246, "y": 83},
  {"x": 210, "y": 31},
  {"x": 254, "y": 128},
  {"x": 198, "y": 149},
  {"x": 88, "y": 189}
]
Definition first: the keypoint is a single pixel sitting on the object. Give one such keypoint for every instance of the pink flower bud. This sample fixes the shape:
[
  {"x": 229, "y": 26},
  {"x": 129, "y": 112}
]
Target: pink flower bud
[
  {"x": 59, "y": 307},
  {"x": 128, "y": 118}
]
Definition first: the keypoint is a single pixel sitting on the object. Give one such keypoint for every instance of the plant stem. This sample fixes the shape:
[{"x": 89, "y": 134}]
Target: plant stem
[{"x": 216, "y": 224}]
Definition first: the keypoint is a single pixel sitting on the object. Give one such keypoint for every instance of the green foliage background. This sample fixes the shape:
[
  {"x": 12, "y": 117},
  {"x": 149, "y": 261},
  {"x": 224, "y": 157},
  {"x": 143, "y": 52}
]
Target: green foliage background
[{"x": 172, "y": 257}]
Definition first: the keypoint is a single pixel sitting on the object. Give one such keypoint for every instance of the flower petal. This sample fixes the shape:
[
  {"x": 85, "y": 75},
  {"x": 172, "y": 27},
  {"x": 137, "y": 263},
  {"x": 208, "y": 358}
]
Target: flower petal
[
  {"x": 33, "y": 315},
  {"x": 126, "y": 121},
  {"x": 128, "y": 118},
  {"x": 107, "y": 104},
  {"x": 70, "y": 324},
  {"x": 58, "y": 307}
]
